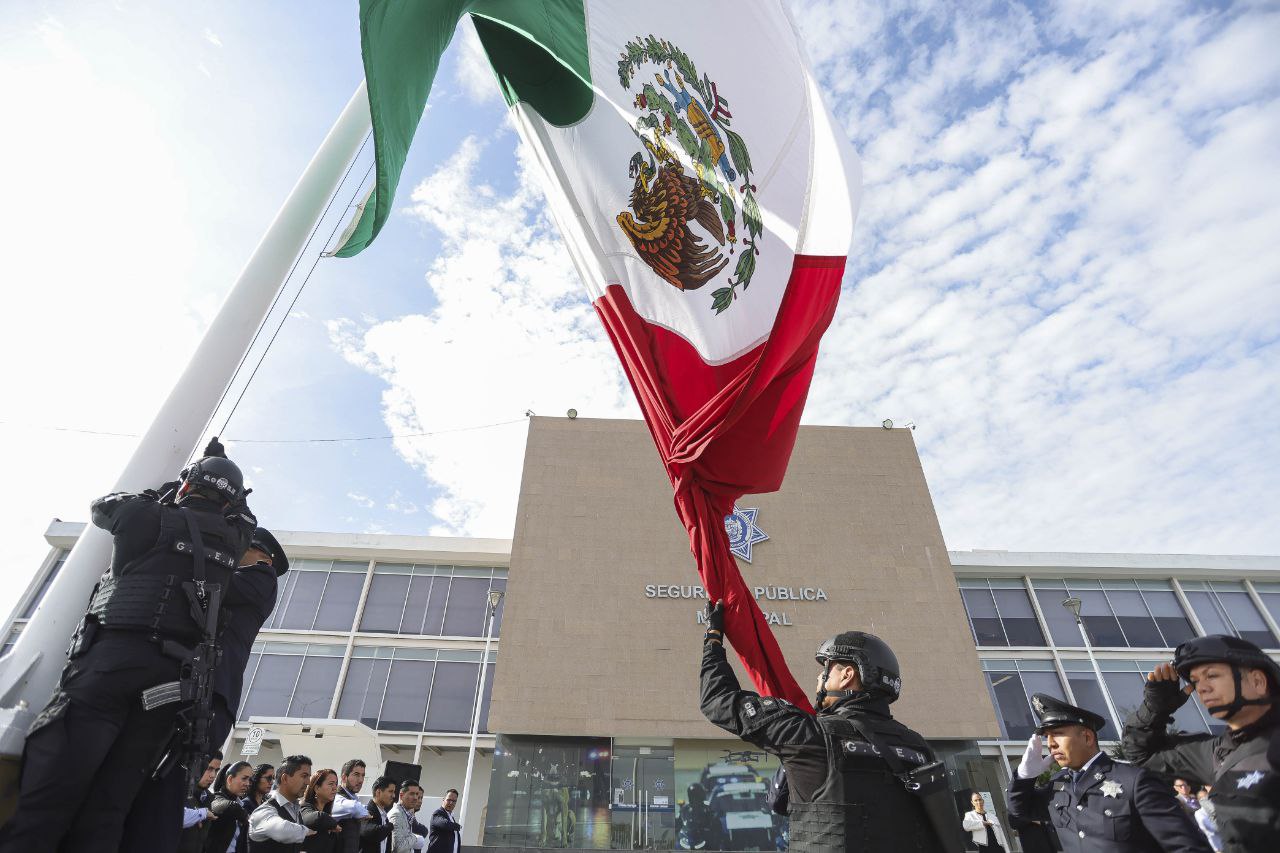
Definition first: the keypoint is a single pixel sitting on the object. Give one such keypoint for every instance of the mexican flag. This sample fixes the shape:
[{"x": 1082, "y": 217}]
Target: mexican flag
[{"x": 707, "y": 198}]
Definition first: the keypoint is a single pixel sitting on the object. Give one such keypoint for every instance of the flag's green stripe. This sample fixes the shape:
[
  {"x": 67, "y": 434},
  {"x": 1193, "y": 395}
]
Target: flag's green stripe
[{"x": 538, "y": 49}]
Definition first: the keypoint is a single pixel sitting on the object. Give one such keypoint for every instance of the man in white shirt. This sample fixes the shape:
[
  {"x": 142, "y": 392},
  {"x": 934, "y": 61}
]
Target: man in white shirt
[
  {"x": 403, "y": 816},
  {"x": 348, "y": 811},
  {"x": 277, "y": 823}
]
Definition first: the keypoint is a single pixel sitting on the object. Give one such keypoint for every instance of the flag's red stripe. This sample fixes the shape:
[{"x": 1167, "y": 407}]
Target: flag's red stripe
[{"x": 727, "y": 430}]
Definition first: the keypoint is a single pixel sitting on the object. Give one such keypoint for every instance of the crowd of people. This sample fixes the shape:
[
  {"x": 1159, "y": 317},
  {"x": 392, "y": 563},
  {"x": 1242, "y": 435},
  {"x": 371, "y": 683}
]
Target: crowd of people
[{"x": 240, "y": 808}]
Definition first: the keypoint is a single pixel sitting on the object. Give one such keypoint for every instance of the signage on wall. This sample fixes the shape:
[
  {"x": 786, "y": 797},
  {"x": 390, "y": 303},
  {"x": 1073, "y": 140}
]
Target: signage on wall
[
  {"x": 743, "y": 532},
  {"x": 253, "y": 741}
]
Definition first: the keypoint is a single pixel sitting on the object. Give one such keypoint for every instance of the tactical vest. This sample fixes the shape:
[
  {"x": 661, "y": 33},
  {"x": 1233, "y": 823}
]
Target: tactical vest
[
  {"x": 1246, "y": 796},
  {"x": 861, "y": 806},
  {"x": 154, "y": 592},
  {"x": 269, "y": 846}
]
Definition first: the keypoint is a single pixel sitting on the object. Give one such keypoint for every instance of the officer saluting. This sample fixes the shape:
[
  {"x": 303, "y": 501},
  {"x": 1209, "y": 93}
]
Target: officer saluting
[
  {"x": 856, "y": 778},
  {"x": 1096, "y": 804},
  {"x": 148, "y": 626},
  {"x": 1240, "y": 685}
]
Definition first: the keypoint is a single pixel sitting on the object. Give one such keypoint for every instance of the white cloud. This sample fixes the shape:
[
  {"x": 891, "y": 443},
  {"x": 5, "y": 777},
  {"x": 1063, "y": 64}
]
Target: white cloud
[
  {"x": 473, "y": 74},
  {"x": 512, "y": 331},
  {"x": 1064, "y": 273},
  {"x": 361, "y": 500},
  {"x": 212, "y": 38}
]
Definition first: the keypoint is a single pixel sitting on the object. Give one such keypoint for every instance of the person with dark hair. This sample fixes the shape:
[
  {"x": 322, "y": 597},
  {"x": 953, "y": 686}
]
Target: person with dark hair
[
  {"x": 87, "y": 753},
  {"x": 196, "y": 820},
  {"x": 446, "y": 833},
  {"x": 232, "y": 821},
  {"x": 1096, "y": 804},
  {"x": 983, "y": 827},
  {"x": 857, "y": 779},
  {"x": 1238, "y": 684},
  {"x": 260, "y": 785},
  {"x": 317, "y": 808},
  {"x": 403, "y": 817},
  {"x": 351, "y": 814},
  {"x": 276, "y": 825},
  {"x": 375, "y": 837}
]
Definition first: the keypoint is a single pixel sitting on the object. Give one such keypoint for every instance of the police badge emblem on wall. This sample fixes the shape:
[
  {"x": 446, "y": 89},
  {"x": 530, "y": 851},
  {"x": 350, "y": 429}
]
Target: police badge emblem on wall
[{"x": 743, "y": 532}]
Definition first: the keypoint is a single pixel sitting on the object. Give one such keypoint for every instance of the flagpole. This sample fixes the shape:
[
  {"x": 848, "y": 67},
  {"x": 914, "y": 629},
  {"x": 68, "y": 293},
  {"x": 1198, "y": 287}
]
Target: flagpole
[
  {"x": 495, "y": 598},
  {"x": 28, "y": 673}
]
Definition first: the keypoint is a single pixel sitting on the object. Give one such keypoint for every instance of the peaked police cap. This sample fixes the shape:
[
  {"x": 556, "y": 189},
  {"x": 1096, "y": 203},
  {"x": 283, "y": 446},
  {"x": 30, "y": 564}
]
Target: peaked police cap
[{"x": 1053, "y": 712}]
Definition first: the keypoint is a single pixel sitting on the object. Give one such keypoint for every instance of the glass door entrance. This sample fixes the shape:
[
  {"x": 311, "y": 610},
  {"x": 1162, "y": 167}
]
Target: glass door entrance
[{"x": 642, "y": 804}]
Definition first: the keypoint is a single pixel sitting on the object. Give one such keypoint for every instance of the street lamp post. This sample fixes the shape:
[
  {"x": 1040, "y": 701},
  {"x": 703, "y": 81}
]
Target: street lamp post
[
  {"x": 495, "y": 598},
  {"x": 1074, "y": 604}
]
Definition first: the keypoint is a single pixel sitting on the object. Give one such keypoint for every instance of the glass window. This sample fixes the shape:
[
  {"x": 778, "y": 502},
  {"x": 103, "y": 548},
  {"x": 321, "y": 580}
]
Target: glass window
[
  {"x": 1012, "y": 684},
  {"x": 1225, "y": 608},
  {"x": 1019, "y": 620},
  {"x": 318, "y": 595},
  {"x": 983, "y": 618},
  {"x": 452, "y": 697},
  {"x": 405, "y": 703},
  {"x": 499, "y": 584},
  {"x": 1000, "y": 614},
  {"x": 1062, "y": 625},
  {"x": 433, "y": 619},
  {"x": 385, "y": 605},
  {"x": 30, "y": 609},
  {"x": 1270, "y": 595},
  {"x": 313, "y": 693},
  {"x": 1135, "y": 620},
  {"x": 1099, "y": 621},
  {"x": 341, "y": 598},
  {"x": 1172, "y": 622},
  {"x": 362, "y": 691},
  {"x": 553, "y": 793},
  {"x": 416, "y": 609},
  {"x": 1089, "y": 695},
  {"x": 272, "y": 686},
  {"x": 468, "y": 598},
  {"x": 299, "y": 610}
]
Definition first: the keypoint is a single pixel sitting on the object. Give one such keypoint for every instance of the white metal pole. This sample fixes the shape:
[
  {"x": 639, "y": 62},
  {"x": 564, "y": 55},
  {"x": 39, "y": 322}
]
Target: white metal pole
[
  {"x": 495, "y": 597},
  {"x": 29, "y": 672},
  {"x": 1102, "y": 685}
]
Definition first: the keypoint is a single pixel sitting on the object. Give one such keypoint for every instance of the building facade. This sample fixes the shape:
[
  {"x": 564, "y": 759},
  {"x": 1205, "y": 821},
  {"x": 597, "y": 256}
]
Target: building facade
[{"x": 596, "y": 738}]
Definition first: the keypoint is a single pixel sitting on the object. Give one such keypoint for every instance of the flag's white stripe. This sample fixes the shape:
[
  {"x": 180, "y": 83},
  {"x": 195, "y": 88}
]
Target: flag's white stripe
[{"x": 835, "y": 183}]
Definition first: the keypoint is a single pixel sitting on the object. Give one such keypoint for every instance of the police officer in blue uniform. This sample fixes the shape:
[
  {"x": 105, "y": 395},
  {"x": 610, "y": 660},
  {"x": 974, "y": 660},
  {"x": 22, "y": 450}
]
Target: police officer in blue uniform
[
  {"x": 1239, "y": 685},
  {"x": 1096, "y": 804},
  {"x": 94, "y": 745}
]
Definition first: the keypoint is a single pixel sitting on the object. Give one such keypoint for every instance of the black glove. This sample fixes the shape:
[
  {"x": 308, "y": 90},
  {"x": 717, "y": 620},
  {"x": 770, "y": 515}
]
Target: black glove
[
  {"x": 715, "y": 621},
  {"x": 1164, "y": 697}
]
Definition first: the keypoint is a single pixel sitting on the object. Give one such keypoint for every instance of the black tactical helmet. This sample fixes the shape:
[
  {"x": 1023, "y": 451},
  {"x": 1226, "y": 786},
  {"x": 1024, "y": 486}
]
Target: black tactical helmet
[
  {"x": 1221, "y": 648},
  {"x": 264, "y": 541},
  {"x": 216, "y": 474},
  {"x": 877, "y": 664}
]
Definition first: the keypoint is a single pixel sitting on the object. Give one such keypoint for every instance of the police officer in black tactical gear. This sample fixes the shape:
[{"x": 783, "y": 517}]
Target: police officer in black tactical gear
[
  {"x": 1239, "y": 685},
  {"x": 1096, "y": 804},
  {"x": 250, "y": 599},
  {"x": 849, "y": 768},
  {"x": 94, "y": 745}
]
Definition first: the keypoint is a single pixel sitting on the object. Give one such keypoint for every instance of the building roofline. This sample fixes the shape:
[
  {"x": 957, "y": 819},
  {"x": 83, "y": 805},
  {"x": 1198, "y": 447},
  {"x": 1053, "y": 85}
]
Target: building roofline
[
  {"x": 1048, "y": 563},
  {"x": 379, "y": 546}
]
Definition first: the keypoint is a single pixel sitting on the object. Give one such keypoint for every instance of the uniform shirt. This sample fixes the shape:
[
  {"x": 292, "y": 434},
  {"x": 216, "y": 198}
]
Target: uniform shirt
[
  {"x": 1114, "y": 808},
  {"x": 1245, "y": 800},
  {"x": 266, "y": 824}
]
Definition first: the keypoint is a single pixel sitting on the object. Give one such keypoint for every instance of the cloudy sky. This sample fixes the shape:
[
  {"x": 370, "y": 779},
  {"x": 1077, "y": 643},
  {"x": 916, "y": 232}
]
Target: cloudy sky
[{"x": 1065, "y": 271}]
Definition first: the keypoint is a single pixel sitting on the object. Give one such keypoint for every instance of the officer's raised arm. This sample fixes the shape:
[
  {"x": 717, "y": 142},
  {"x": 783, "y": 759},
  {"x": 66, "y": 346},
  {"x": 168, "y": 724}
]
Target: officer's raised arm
[{"x": 764, "y": 721}]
